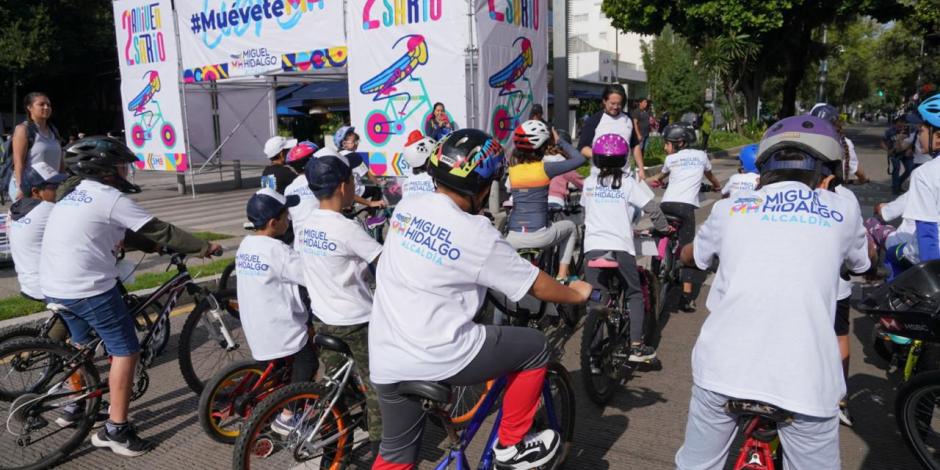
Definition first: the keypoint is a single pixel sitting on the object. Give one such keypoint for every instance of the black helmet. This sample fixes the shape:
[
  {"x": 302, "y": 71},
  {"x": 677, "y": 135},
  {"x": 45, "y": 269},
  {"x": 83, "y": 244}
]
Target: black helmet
[
  {"x": 98, "y": 158},
  {"x": 679, "y": 132},
  {"x": 467, "y": 161}
]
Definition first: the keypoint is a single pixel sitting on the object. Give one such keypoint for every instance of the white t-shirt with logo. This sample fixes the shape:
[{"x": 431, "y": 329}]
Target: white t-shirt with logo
[
  {"x": 740, "y": 182},
  {"x": 853, "y": 158},
  {"x": 273, "y": 319},
  {"x": 923, "y": 196},
  {"x": 685, "y": 168},
  {"x": 300, "y": 212},
  {"x": 906, "y": 231},
  {"x": 609, "y": 213},
  {"x": 79, "y": 244},
  {"x": 417, "y": 184},
  {"x": 26, "y": 247},
  {"x": 336, "y": 253},
  {"x": 768, "y": 335},
  {"x": 845, "y": 287},
  {"x": 437, "y": 263}
]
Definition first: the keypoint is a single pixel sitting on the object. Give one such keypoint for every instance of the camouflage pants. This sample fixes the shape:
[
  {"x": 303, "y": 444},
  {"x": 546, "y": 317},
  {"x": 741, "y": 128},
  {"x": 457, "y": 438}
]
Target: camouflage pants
[{"x": 357, "y": 337}]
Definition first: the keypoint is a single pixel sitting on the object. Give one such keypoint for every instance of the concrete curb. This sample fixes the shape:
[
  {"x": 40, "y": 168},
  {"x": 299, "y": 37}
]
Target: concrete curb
[{"x": 210, "y": 282}]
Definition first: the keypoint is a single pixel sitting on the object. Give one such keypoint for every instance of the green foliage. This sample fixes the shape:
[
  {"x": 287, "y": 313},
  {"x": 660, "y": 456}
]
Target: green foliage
[
  {"x": 25, "y": 36},
  {"x": 675, "y": 82},
  {"x": 211, "y": 236},
  {"x": 721, "y": 140}
]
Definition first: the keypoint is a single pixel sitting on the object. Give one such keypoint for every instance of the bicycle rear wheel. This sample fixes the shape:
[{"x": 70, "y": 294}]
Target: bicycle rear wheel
[
  {"x": 598, "y": 343},
  {"x": 560, "y": 416},
  {"x": 918, "y": 418},
  {"x": 224, "y": 405},
  {"x": 261, "y": 447},
  {"x": 31, "y": 436},
  {"x": 203, "y": 348}
]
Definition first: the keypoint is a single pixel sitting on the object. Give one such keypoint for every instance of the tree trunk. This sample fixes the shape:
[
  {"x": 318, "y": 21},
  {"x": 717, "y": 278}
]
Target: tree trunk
[{"x": 796, "y": 67}]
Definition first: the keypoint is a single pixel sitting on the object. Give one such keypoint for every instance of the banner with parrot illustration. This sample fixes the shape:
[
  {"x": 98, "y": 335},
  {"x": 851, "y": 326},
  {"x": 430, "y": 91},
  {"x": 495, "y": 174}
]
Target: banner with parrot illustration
[
  {"x": 408, "y": 56},
  {"x": 513, "y": 70},
  {"x": 150, "y": 95}
]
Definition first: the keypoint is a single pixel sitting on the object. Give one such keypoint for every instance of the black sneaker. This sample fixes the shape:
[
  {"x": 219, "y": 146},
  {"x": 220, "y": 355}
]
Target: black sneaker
[
  {"x": 73, "y": 413},
  {"x": 533, "y": 452},
  {"x": 687, "y": 305},
  {"x": 641, "y": 353},
  {"x": 124, "y": 441}
]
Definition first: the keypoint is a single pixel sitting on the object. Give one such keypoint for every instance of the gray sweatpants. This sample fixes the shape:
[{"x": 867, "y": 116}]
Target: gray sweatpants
[
  {"x": 808, "y": 442},
  {"x": 561, "y": 231},
  {"x": 506, "y": 349}
]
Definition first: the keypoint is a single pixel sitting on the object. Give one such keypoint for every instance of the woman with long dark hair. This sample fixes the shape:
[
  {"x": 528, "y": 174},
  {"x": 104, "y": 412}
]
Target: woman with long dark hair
[
  {"x": 438, "y": 124},
  {"x": 34, "y": 140}
]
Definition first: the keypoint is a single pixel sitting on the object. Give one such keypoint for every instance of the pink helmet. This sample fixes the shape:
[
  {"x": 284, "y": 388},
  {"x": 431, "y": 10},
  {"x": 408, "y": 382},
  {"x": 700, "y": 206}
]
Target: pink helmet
[
  {"x": 610, "y": 151},
  {"x": 301, "y": 152}
]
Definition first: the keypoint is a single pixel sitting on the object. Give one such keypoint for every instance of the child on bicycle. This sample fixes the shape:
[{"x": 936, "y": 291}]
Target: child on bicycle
[
  {"x": 269, "y": 272},
  {"x": 336, "y": 258},
  {"x": 78, "y": 270},
  {"x": 416, "y": 153},
  {"x": 529, "y": 178},
  {"x": 685, "y": 167},
  {"x": 746, "y": 178},
  {"x": 297, "y": 159},
  {"x": 768, "y": 336},
  {"x": 612, "y": 201},
  {"x": 440, "y": 258},
  {"x": 923, "y": 200},
  {"x": 28, "y": 218}
]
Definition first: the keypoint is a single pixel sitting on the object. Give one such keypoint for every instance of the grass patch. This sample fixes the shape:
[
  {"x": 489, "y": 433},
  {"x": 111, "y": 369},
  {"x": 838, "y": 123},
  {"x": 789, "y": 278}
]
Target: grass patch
[
  {"x": 720, "y": 140},
  {"x": 211, "y": 236},
  {"x": 17, "y": 306}
]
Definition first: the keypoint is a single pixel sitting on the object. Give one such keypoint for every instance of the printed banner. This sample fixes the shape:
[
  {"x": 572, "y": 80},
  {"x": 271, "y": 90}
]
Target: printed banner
[
  {"x": 409, "y": 56},
  {"x": 513, "y": 71},
  {"x": 153, "y": 118},
  {"x": 232, "y": 38}
]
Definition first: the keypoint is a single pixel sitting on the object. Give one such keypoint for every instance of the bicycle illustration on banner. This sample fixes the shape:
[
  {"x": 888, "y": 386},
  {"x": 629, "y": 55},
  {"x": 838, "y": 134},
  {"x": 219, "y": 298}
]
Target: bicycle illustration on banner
[
  {"x": 146, "y": 109},
  {"x": 516, "y": 98},
  {"x": 404, "y": 94}
]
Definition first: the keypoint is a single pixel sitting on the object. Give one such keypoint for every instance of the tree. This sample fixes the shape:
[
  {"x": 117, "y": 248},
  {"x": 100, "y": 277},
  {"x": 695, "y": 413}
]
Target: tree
[
  {"x": 782, "y": 29},
  {"x": 675, "y": 82},
  {"x": 25, "y": 39},
  {"x": 729, "y": 59}
]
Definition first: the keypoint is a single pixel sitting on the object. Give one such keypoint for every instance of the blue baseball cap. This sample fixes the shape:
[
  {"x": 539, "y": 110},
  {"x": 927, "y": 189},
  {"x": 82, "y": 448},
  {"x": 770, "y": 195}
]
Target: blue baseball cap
[
  {"x": 267, "y": 204},
  {"x": 327, "y": 172},
  {"x": 41, "y": 174}
]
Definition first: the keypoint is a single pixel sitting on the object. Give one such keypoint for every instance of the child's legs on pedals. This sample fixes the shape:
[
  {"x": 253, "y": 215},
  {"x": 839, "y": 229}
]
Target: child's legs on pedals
[{"x": 634, "y": 294}]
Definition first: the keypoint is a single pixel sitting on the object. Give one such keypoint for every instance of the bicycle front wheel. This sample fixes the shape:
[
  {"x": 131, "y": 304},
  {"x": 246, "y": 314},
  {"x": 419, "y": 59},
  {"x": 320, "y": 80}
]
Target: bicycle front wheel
[
  {"x": 557, "y": 411},
  {"x": 917, "y": 415},
  {"x": 598, "y": 343},
  {"x": 269, "y": 440},
  {"x": 35, "y": 432},
  {"x": 224, "y": 406},
  {"x": 211, "y": 340}
]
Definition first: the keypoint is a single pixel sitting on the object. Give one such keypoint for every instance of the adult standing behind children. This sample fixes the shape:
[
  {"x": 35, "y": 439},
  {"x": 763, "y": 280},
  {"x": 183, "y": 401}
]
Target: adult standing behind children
[
  {"x": 611, "y": 120},
  {"x": 34, "y": 140}
]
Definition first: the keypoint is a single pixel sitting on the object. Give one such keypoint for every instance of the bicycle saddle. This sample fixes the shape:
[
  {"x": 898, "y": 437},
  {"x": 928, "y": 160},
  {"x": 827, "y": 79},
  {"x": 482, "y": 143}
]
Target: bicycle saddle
[
  {"x": 332, "y": 343},
  {"x": 757, "y": 408},
  {"x": 603, "y": 263},
  {"x": 673, "y": 220},
  {"x": 434, "y": 391}
]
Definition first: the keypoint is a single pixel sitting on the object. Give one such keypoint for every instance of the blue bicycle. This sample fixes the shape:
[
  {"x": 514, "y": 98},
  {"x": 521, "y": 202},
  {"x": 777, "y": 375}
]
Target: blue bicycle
[{"x": 555, "y": 412}]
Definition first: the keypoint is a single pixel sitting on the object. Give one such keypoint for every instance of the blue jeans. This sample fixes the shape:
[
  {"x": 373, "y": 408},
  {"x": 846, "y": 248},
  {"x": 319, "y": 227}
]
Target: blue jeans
[
  {"x": 107, "y": 315},
  {"x": 897, "y": 178}
]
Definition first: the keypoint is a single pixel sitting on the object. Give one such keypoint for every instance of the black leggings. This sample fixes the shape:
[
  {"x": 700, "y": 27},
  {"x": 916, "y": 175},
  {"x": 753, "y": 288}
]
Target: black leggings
[
  {"x": 633, "y": 289},
  {"x": 305, "y": 363},
  {"x": 686, "y": 213},
  {"x": 506, "y": 349}
]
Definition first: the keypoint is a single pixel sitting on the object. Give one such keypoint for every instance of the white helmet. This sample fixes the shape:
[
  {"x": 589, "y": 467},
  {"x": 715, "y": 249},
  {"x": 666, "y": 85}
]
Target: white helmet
[
  {"x": 418, "y": 149},
  {"x": 531, "y": 135}
]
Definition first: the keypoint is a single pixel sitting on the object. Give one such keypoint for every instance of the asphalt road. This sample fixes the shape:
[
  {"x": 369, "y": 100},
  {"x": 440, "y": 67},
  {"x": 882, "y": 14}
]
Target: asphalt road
[{"x": 642, "y": 427}]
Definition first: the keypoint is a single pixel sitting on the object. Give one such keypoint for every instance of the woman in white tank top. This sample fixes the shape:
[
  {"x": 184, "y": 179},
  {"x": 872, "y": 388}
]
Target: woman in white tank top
[{"x": 45, "y": 147}]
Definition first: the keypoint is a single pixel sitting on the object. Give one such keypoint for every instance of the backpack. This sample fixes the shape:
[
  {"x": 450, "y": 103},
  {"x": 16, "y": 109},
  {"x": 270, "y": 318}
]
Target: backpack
[{"x": 6, "y": 159}]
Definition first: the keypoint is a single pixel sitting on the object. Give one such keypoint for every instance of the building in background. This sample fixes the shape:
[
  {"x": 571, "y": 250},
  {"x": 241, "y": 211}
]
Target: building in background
[{"x": 598, "y": 54}]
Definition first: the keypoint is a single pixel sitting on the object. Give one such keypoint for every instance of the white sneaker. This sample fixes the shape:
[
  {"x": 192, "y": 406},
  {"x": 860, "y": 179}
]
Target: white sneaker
[{"x": 533, "y": 451}]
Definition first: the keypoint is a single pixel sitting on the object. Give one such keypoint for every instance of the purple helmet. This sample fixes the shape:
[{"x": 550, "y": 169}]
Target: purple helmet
[
  {"x": 610, "y": 151},
  {"x": 817, "y": 137}
]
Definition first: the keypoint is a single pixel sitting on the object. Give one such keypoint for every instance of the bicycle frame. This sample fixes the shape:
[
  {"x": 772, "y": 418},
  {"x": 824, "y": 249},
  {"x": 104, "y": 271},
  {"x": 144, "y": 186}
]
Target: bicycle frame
[
  {"x": 337, "y": 382},
  {"x": 460, "y": 443}
]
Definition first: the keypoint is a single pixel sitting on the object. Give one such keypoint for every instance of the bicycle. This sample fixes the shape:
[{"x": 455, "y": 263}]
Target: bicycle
[
  {"x": 325, "y": 415},
  {"x": 605, "y": 340},
  {"x": 210, "y": 338},
  {"x": 556, "y": 412},
  {"x": 758, "y": 421},
  {"x": 530, "y": 311},
  {"x": 230, "y": 397},
  {"x": 909, "y": 306},
  {"x": 667, "y": 269}
]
